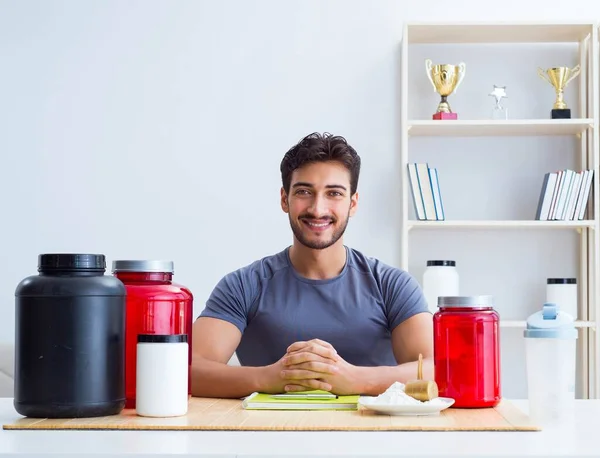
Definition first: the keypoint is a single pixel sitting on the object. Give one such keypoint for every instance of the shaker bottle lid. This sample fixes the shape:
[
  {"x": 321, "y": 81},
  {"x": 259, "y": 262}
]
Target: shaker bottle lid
[
  {"x": 465, "y": 301},
  {"x": 561, "y": 281},
  {"x": 71, "y": 261},
  {"x": 142, "y": 266},
  {"x": 162, "y": 338},
  {"x": 550, "y": 322},
  {"x": 441, "y": 263}
]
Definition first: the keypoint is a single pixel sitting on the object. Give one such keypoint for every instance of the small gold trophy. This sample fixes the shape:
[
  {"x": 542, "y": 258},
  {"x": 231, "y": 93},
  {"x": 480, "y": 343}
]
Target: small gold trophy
[
  {"x": 445, "y": 79},
  {"x": 559, "y": 77}
]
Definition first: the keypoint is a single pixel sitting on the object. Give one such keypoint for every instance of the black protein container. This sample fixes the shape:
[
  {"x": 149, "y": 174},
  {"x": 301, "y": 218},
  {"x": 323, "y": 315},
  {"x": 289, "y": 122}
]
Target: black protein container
[{"x": 70, "y": 339}]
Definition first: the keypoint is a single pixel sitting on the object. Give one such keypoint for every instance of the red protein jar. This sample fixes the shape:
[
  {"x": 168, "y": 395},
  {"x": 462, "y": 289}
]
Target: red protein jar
[
  {"x": 154, "y": 305},
  {"x": 467, "y": 350}
]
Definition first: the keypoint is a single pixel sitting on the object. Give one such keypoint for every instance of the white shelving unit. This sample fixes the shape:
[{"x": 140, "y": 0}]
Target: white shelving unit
[
  {"x": 522, "y": 323},
  {"x": 481, "y": 128},
  {"x": 506, "y": 224},
  {"x": 583, "y": 126}
]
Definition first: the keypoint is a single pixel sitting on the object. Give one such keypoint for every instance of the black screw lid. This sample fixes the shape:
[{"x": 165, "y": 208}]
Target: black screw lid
[
  {"x": 162, "y": 338},
  {"x": 71, "y": 262},
  {"x": 562, "y": 281},
  {"x": 441, "y": 263}
]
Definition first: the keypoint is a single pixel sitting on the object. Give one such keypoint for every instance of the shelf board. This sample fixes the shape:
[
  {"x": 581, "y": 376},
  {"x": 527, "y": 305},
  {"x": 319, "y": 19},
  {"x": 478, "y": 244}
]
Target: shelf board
[
  {"x": 508, "y": 32},
  {"x": 514, "y": 127},
  {"x": 522, "y": 324},
  {"x": 501, "y": 224}
]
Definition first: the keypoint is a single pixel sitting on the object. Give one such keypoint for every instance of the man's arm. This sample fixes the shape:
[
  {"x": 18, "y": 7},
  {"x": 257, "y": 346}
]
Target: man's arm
[
  {"x": 411, "y": 324},
  {"x": 217, "y": 334},
  {"x": 409, "y": 338},
  {"x": 213, "y": 343}
]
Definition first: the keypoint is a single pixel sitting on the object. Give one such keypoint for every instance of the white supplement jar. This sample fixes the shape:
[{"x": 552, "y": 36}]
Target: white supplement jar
[
  {"x": 162, "y": 375},
  {"x": 563, "y": 293},
  {"x": 440, "y": 279}
]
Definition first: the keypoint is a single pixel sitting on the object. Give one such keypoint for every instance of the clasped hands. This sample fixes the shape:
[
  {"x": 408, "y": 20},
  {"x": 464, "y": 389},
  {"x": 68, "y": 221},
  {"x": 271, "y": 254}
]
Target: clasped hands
[{"x": 315, "y": 365}]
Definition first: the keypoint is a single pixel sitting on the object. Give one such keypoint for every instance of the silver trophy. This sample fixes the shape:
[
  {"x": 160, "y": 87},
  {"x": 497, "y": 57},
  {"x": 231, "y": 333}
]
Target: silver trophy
[{"x": 499, "y": 112}]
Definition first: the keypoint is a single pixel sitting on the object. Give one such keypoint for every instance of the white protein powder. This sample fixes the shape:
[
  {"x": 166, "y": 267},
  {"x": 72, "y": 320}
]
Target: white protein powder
[{"x": 395, "y": 395}]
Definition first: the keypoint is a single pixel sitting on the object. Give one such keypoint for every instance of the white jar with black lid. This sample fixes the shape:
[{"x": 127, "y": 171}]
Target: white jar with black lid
[
  {"x": 440, "y": 279},
  {"x": 162, "y": 375},
  {"x": 563, "y": 293}
]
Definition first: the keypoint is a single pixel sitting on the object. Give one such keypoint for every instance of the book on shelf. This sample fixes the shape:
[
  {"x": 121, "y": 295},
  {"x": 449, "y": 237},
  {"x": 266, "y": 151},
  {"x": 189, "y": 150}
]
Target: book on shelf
[
  {"x": 564, "y": 195},
  {"x": 425, "y": 189}
]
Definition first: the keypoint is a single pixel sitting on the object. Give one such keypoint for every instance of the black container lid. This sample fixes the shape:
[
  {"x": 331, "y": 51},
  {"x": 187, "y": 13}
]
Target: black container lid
[
  {"x": 441, "y": 263},
  {"x": 71, "y": 262},
  {"x": 162, "y": 338},
  {"x": 562, "y": 281}
]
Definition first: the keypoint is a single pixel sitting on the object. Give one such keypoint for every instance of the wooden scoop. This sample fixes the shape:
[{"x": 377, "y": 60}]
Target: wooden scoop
[{"x": 422, "y": 390}]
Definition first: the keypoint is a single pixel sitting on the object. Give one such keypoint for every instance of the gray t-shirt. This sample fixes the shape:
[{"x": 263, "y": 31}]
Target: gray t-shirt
[{"x": 274, "y": 306}]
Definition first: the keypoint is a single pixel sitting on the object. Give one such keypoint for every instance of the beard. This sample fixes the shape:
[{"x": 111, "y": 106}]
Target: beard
[{"x": 301, "y": 232}]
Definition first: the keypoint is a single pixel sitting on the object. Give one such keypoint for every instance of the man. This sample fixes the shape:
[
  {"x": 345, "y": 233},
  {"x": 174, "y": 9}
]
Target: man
[{"x": 317, "y": 315}]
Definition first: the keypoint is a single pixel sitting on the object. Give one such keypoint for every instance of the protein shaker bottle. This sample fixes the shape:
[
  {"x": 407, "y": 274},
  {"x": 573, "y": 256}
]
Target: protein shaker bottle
[{"x": 550, "y": 348}]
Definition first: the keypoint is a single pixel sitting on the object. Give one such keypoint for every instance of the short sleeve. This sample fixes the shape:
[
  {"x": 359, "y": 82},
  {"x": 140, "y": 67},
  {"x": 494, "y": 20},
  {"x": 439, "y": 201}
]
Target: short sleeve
[
  {"x": 232, "y": 298},
  {"x": 403, "y": 296}
]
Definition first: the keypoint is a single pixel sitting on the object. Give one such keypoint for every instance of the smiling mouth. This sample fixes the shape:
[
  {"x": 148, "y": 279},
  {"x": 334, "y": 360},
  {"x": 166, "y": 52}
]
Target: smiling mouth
[{"x": 317, "y": 225}]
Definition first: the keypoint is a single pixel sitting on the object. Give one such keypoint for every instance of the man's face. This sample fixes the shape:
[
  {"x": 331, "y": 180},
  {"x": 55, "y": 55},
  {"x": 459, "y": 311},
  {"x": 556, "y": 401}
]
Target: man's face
[{"x": 319, "y": 203}]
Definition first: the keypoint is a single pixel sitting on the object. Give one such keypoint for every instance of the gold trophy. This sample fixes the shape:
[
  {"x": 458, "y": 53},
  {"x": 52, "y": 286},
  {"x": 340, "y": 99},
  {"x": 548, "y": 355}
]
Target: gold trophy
[
  {"x": 559, "y": 77},
  {"x": 445, "y": 79}
]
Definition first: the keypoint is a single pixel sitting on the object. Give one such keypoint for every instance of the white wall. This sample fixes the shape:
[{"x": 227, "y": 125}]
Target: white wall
[{"x": 154, "y": 129}]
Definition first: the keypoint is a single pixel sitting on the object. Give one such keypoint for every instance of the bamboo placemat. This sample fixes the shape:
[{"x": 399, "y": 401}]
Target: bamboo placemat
[{"x": 228, "y": 415}]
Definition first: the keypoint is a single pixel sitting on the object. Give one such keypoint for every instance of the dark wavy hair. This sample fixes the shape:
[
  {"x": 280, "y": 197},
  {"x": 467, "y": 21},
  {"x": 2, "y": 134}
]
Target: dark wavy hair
[{"x": 320, "y": 148}]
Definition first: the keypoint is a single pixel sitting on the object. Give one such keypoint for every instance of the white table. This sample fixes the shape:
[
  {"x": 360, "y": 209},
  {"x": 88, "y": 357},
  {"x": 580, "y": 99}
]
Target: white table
[{"x": 581, "y": 438}]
